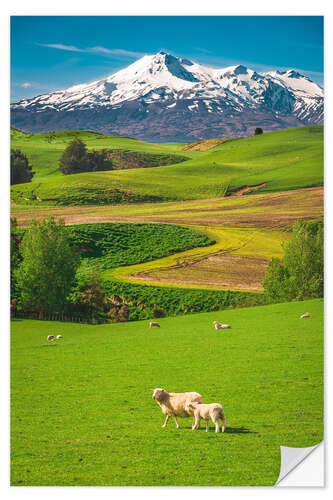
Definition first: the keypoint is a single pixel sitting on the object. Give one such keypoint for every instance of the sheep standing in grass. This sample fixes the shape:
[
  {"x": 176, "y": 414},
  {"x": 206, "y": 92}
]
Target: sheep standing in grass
[
  {"x": 306, "y": 315},
  {"x": 173, "y": 404},
  {"x": 59, "y": 337},
  {"x": 153, "y": 323},
  {"x": 50, "y": 338},
  {"x": 212, "y": 411},
  {"x": 219, "y": 326}
]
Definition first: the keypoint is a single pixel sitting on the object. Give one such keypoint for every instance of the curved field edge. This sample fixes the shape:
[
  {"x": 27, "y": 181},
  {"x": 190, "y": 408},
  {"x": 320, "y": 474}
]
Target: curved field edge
[
  {"x": 267, "y": 371},
  {"x": 113, "y": 244},
  {"x": 262, "y": 245},
  {"x": 283, "y": 160}
]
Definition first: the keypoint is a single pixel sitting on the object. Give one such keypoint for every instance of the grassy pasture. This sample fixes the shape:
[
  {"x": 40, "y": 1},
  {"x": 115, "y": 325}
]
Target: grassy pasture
[
  {"x": 287, "y": 159},
  {"x": 82, "y": 412}
]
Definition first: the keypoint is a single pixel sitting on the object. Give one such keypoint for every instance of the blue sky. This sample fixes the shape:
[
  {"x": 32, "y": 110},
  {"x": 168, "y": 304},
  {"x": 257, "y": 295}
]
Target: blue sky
[{"x": 50, "y": 52}]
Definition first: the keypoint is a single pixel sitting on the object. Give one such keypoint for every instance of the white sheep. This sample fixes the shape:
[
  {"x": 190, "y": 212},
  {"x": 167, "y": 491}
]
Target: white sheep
[
  {"x": 153, "y": 323},
  {"x": 219, "y": 326},
  {"x": 59, "y": 337},
  {"x": 50, "y": 338},
  {"x": 306, "y": 315},
  {"x": 173, "y": 404},
  {"x": 212, "y": 411}
]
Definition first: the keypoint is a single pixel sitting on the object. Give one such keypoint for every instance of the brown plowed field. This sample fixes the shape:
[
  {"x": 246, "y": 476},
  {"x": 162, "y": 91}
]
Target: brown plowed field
[
  {"x": 218, "y": 271},
  {"x": 269, "y": 210}
]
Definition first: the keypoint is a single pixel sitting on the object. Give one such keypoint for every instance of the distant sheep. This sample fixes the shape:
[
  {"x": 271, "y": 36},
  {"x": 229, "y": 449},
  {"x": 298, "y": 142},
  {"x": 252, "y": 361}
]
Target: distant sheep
[
  {"x": 59, "y": 337},
  {"x": 219, "y": 326},
  {"x": 50, "y": 338},
  {"x": 173, "y": 404},
  {"x": 306, "y": 315},
  {"x": 153, "y": 323},
  {"x": 212, "y": 411}
]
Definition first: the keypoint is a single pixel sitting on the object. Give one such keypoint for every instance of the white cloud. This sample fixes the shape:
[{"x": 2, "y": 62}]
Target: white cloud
[
  {"x": 25, "y": 85},
  {"x": 93, "y": 50}
]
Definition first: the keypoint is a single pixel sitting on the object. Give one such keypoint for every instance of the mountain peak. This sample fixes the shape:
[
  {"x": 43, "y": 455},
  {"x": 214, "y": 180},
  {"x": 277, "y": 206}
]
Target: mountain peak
[
  {"x": 174, "y": 88},
  {"x": 240, "y": 70}
]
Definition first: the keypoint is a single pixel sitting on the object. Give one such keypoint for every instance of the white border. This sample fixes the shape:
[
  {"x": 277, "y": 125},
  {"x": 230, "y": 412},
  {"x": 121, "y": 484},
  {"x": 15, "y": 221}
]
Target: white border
[{"x": 131, "y": 7}]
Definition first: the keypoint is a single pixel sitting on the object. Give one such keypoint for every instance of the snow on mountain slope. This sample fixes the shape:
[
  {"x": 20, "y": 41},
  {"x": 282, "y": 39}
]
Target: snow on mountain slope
[{"x": 166, "y": 84}]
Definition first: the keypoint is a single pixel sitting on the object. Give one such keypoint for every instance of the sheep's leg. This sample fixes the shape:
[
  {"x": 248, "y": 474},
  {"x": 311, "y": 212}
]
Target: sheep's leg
[
  {"x": 217, "y": 425},
  {"x": 223, "y": 423},
  {"x": 166, "y": 421},
  {"x": 177, "y": 424},
  {"x": 207, "y": 421},
  {"x": 196, "y": 423}
]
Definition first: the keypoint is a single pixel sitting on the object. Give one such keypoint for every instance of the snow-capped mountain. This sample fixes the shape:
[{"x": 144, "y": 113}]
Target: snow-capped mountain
[{"x": 163, "y": 97}]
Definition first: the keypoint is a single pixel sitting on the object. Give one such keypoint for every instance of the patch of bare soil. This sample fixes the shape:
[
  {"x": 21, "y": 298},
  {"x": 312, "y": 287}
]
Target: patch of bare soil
[
  {"x": 247, "y": 189},
  {"x": 204, "y": 145},
  {"x": 218, "y": 271}
]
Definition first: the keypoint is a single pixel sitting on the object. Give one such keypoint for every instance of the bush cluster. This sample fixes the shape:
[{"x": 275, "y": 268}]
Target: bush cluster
[{"x": 76, "y": 159}]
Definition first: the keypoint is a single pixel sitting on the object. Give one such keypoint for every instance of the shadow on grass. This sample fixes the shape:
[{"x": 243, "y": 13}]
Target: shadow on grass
[
  {"x": 238, "y": 430},
  {"x": 228, "y": 430}
]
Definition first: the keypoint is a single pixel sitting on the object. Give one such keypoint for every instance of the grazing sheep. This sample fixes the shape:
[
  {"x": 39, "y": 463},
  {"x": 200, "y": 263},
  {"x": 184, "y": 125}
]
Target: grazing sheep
[
  {"x": 306, "y": 315},
  {"x": 153, "y": 323},
  {"x": 219, "y": 326},
  {"x": 59, "y": 337},
  {"x": 212, "y": 411},
  {"x": 50, "y": 338},
  {"x": 173, "y": 404}
]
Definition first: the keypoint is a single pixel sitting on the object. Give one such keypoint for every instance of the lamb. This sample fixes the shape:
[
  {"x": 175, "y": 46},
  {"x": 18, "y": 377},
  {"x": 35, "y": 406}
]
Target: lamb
[
  {"x": 219, "y": 326},
  {"x": 59, "y": 337},
  {"x": 173, "y": 404},
  {"x": 306, "y": 315},
  {"x": 153, "y": 323},
  {"x": 212, "y": 411},
  {"x": 50, "y": 338}
]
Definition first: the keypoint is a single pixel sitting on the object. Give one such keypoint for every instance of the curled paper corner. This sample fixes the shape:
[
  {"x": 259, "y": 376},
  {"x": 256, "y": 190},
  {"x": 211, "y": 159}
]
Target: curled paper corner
[{"x": 291, "y": 458}]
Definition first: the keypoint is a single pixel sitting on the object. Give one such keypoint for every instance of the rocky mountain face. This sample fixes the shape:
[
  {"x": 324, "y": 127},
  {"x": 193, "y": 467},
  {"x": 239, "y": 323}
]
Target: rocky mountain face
[{"x": 162, "y": 98}]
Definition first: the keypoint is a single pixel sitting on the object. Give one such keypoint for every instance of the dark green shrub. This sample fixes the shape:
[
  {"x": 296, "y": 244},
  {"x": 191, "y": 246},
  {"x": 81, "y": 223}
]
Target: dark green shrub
[{"x": 300, "y": 274}]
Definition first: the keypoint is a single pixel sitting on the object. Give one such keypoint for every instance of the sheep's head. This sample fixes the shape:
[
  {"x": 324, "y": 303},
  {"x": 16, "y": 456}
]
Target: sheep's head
[
  {"x": 190, "y": 407},
  {"x": 159, "y": 394}
]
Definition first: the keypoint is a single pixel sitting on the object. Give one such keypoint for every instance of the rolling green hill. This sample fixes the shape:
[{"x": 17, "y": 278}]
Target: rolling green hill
[{"x": 283, "y": 160}]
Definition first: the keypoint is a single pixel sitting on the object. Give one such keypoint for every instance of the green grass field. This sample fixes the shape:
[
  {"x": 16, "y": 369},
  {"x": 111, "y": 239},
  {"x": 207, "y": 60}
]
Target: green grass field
[
  {"x": 82, "y": 412},
  {"x": 287, "y": 159}
]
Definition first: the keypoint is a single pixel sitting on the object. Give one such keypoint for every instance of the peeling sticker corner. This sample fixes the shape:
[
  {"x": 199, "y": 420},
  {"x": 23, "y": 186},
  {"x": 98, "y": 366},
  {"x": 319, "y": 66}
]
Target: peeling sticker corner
[{"x": 291, "y": 458}]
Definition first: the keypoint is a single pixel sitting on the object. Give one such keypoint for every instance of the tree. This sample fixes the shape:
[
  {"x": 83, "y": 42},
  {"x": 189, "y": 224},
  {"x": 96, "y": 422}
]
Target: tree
[
  {"x": 300, "y": 274},
  {"x": 74, "y": 158},
  {"x": 88, "y": 296},
  {"x": 48, "y": 267},
  {"x": 258, "y": 131},
  {"x": 98, "y": 160},
  {"x": 20, "y": 170}
]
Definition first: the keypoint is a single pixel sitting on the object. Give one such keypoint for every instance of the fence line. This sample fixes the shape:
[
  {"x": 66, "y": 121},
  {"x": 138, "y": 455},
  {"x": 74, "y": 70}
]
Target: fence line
[{"x": 57, "y": 317}]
